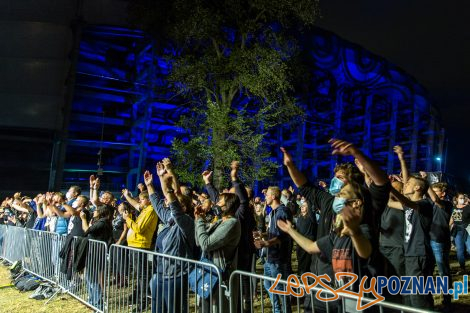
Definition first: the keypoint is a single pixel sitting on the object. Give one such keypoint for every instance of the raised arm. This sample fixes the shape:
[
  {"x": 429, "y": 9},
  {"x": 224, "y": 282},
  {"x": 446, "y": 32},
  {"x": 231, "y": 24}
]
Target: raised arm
[
  {"x": 402, "y": 201},
  {"x": 308, "y": 245},
  {"x": 352, "y": 221},
  {"x": 297, "y": 177},
  {"x": 94, "y": 186},
  {"x": 127, "y": 195},
  {"x": 211, "y": 191},
  {"x": 20, "y": 206},
  {"x": 175, "y": 185},
  {"x": 157, "y": 202},
  {"x": 84, "y": 221},
  {"x": 68, "y": 213},
  {"x": 341, "y": 147},
  {"x": 39, "y": 205},
  {"x": 432, "y": 194},
  {"x": 401, "y": 157},
  {"x": 240, "y": 190}
]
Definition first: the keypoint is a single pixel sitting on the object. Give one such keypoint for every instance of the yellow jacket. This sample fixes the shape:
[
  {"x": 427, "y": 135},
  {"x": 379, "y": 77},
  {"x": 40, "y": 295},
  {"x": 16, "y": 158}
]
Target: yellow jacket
[{"x": 141, "y": 231}]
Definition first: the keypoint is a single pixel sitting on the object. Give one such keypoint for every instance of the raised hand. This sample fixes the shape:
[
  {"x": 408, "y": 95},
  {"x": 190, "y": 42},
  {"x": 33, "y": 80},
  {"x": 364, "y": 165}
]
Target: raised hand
[
  {"x": 148, "y": 178},
  {"x": 206, "y": 176},
  {"x": 125, "y": 192},
  {"x": 167, "y": 164},
  {"x": 285, "y": 226},
  {"x": 341, "y": 147},
  {"x": 287, "y": 158},
  {"x": 92, "y": 181},
  {"x": 160, "y": 169},
  {"x": 352, "y": 218},
  {"x": 399, "y": 151},
  {"x": 423, "y": 174},
  {"x": 234, "y": 169},
  {"x": 322, "y": 184},
  {"x": 97, "y": 183}
]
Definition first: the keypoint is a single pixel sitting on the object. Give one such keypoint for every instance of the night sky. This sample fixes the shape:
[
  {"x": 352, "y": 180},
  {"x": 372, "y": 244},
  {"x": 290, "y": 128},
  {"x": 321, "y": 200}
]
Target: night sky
[{"x": 430, "y": 40}]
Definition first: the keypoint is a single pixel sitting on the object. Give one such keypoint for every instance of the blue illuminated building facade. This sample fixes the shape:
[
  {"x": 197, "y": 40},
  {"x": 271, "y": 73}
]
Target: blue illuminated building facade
[{"x": 122, "y": 115}]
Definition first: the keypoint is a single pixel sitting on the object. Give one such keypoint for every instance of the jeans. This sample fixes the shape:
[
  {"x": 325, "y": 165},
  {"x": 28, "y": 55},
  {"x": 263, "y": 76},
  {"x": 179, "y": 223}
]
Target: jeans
[
  {"x": 272, "y": 270},
  {"x": 441, "y": 255},
  {"x": 462, "y": 242},
  {"x": 95, "y": 296},
  {"x": 169, "y": 295}
]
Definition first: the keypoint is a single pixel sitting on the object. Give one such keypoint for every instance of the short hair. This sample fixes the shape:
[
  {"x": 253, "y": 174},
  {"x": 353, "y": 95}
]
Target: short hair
[
  {"x": 77, "y": 189},
  {"x": 275, "y": 191},
  {"x": 59, "y": 194},
  {"x": 346, "y": 167},
  {"x": 351, "y": 172},
  {"x": 421, "y": 182},
  {"x": 144, "y": 194},
  {"x": 440, "y": 185},
  {"x": 287, "y": 191},
  {"x": 108, "y": 192},
  {"x": 85, "y": 201}
]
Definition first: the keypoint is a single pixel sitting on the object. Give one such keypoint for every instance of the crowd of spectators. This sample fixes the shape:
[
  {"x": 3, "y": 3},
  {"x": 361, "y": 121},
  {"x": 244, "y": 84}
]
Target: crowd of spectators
[{"x": 365, "y": 222}]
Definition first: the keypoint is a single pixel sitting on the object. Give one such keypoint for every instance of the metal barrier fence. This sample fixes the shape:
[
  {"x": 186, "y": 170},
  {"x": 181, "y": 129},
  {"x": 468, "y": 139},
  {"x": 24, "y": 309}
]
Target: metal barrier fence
[
  {"x": 83, "y": 270},
  {"x": 41, "y": 254},
  {"x": 140, "y": 279},
  {"x": 125, "y": 279},
  {"x": 273, "y": 302},
  {"x": 14, "y": 241},
  {"x": 3, "y": 231}
]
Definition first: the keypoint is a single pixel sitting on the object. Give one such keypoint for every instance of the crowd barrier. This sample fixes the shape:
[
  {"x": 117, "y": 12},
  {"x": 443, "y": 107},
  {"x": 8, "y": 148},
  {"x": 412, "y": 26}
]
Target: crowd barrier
[{"x": 123, "y": 279}]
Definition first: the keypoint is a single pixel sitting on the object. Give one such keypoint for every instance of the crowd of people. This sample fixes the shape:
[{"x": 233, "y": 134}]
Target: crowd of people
[{"x": 365, "y": 222}]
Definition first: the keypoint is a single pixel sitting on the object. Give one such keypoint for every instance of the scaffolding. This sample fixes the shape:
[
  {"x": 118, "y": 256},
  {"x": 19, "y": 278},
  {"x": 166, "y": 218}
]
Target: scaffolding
[{"x": 122, "y": 109}]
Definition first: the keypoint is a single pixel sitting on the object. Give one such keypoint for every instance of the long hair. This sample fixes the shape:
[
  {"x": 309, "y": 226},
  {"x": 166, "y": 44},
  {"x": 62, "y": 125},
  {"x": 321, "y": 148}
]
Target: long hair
[{"x": 232, "y": 202}]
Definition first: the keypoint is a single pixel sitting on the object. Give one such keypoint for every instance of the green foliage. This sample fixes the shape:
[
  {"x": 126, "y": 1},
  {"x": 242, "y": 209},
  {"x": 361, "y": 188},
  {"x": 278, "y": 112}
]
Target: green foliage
[{"x": 224, "y": 53}]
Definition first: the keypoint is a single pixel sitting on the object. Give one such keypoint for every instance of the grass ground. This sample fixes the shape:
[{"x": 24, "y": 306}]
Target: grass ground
[{"x": 12, "y": 300}]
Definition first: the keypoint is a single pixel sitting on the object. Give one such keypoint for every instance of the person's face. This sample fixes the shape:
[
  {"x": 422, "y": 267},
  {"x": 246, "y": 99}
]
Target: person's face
[
  {"x": 106, "y": 198},
  {"x": 257, "y": 200},
  {"x": 144, "y": 202},
  {"x": 56, "y": 199},
  {"x": 121, "y": 208},
  {"x": 304, "y": 209},
  {"x": 258, "y": 209},
  {"x": 221, "y": 204},
  {"x": 461, "y": 199},
  {"x": 351, "y": 198},
  {"x": 269, "y": 197},
  {"x": 72, "y": 192},
  {"x": 409, "y": 187},
  {"x": 346, "y": 193},
  {"x": 206, "y": 205},
  {"x": 341, "y": 175},
  {"x": 439, "y": 192}
]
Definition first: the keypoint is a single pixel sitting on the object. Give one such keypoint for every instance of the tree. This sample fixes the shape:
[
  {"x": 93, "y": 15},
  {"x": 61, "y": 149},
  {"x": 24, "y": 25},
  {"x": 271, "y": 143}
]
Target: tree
[{"x": 234, "y": 63}]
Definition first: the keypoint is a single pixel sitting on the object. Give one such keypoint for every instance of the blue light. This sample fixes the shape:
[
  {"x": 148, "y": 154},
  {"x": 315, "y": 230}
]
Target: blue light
[{"x": 438, "y": 159}]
